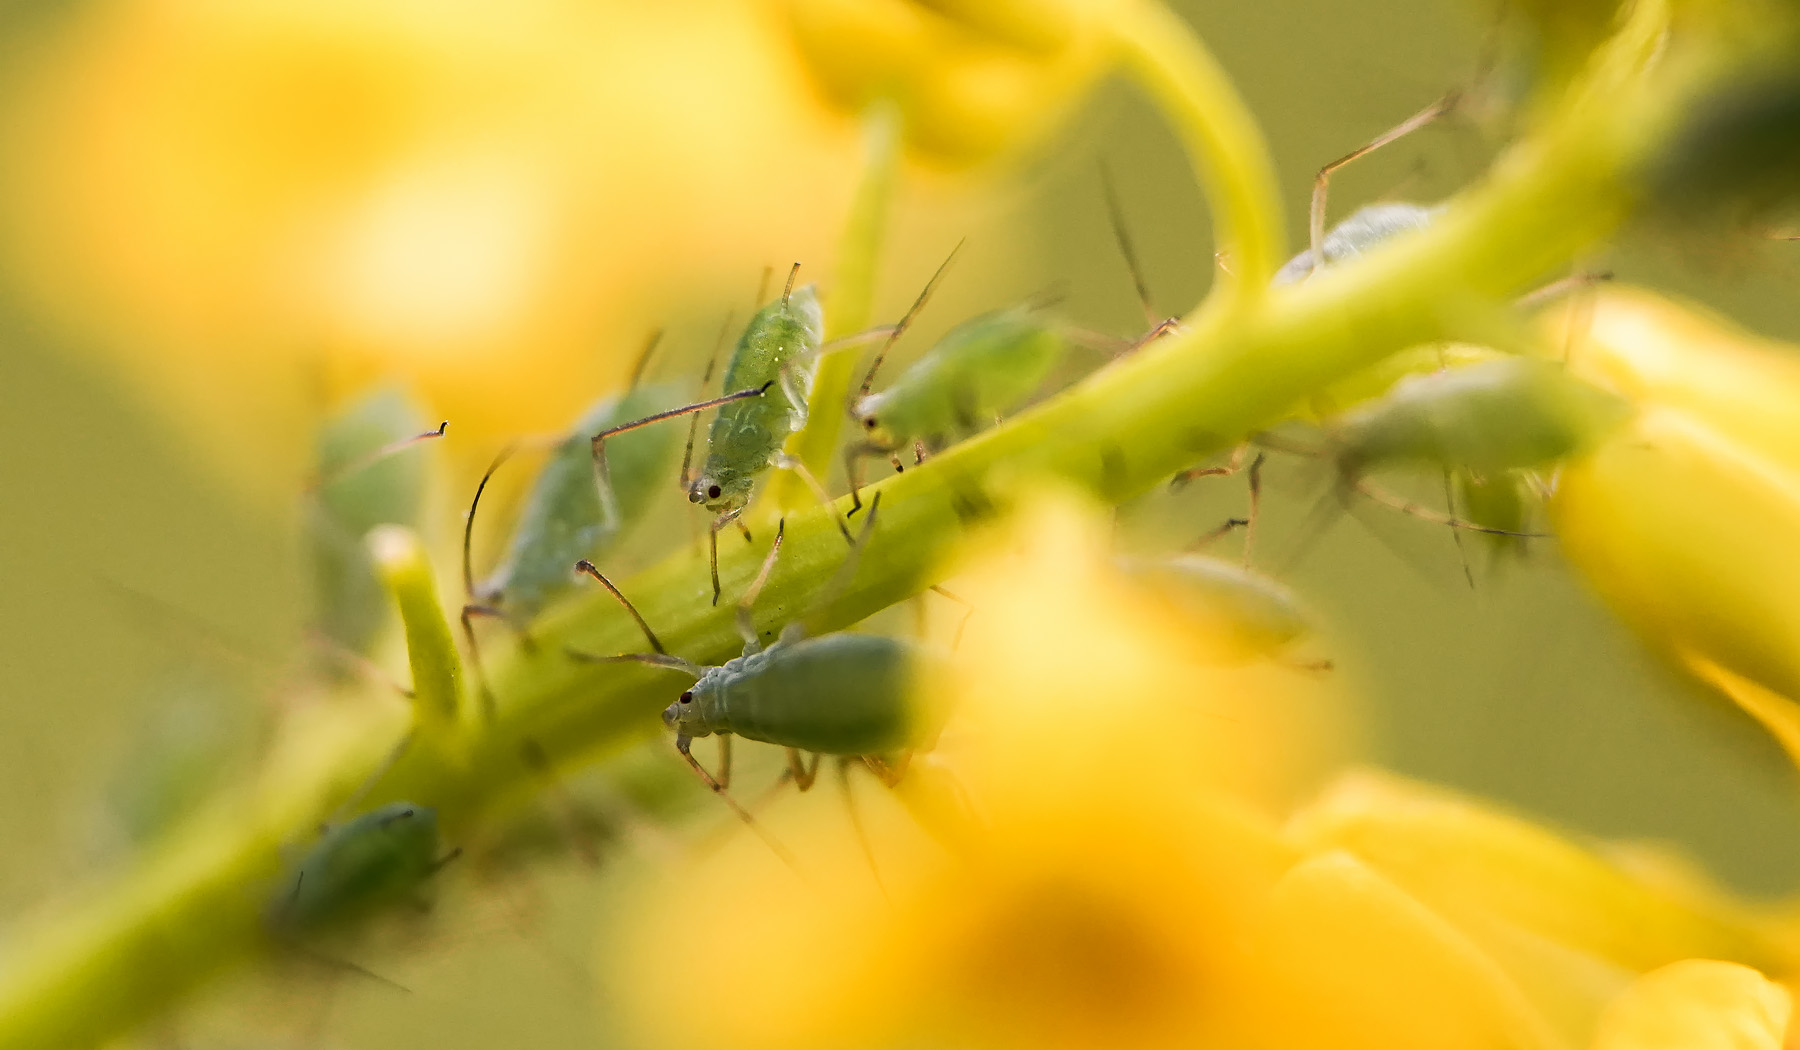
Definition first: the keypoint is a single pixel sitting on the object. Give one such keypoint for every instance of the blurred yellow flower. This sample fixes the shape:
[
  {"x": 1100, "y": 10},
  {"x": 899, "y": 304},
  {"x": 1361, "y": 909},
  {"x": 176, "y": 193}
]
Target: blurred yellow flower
[
  {"x": 1685, "y": 519},
  {"x": 496, "y": 201},
  {"x": 973, "y": 79},
  {"x": 1127, "y": 884}
]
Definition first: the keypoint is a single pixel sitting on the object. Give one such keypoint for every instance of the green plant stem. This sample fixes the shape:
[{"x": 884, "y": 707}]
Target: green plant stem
[
  {"x": 437, "y": 675},
  {"x": 849, "y": 308},
  {"x": 192, "y": 908},
  {"x": 1221, "y": 137}
]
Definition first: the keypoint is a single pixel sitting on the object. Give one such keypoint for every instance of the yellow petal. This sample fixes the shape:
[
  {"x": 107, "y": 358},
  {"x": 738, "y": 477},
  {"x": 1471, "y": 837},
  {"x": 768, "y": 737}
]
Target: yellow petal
[
  {"x": 1472, "y": 863},
  {"x": 1698, "y": 1004},
  {"x": 1352, "y": 961},
  {"x": 1684, "y": 518}
]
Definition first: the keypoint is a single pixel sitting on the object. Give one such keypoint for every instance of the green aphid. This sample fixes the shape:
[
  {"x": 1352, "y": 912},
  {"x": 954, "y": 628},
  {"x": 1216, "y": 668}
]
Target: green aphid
[
  {"x": 980, "y": 370},
  {"x": 778, "y": 351},
  {"x": 1245, "y": 614},
  {"x": 1503, "y": 502},
  {"x": 1509, "y": 413},
  {"x": 767, "y": 381},
  {"x": 361, "y": 484},
  {"x": 359, "y": 867},
  {"x": 1362, "y": 231},
  {"x": 567, "y": 517},
  {"x": 853, "y": 696}
]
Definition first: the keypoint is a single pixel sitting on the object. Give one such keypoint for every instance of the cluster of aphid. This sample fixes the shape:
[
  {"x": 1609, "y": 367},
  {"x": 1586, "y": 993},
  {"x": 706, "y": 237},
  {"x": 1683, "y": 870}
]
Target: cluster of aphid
[{"x": 1492, "y": 422}]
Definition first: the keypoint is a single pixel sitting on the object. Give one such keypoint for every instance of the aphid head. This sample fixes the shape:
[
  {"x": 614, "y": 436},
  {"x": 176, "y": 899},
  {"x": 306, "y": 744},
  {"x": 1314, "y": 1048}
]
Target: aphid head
[
  {"x": 720, "y": 494},
  {"x": 683, "y": 715},
  {"x": 875, "y": 431}
]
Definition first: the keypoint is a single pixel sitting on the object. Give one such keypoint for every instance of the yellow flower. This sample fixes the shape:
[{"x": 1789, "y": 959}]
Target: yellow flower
[
  {"x": 242, "y": 203},
  {"x": 1121, "y": 883},
  {"x": 972, "y": 79},
  {"x": 1685, "y": 519}
]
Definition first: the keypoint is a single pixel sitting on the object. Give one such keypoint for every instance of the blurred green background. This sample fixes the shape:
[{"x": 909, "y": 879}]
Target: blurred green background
[{"x": 133, "y": 564}]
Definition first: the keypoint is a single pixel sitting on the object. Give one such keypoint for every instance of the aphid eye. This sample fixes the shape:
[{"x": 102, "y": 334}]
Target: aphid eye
[
  {"x": 713, "y": 492},
  {"x": 687, "y": 697},
  {"x": 869, "y": 422}
]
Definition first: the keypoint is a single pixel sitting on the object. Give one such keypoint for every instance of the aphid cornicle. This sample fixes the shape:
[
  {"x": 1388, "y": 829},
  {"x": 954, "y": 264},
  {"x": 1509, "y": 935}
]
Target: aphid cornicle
[{"x": 358, "y": 867}]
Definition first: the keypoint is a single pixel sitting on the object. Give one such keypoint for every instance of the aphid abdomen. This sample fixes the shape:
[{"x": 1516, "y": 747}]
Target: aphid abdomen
[
  {"x": 563, "y": 520},
  {"x": 1362, "y": 231},
  {"x": 1245, "y": 613},
  {"x": 1505, "y": 414},
  {"x": 359, "y": 866},
  {"x": 778, "y": 348},
  {"x": 840, "y": 694}
]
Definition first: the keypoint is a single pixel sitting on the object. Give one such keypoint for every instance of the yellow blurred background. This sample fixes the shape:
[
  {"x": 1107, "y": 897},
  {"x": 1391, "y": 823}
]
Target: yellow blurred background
[{"x": 218, "y": 218}]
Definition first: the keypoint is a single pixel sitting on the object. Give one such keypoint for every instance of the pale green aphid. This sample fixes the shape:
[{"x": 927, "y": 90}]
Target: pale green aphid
[
  {"x": 566, "y": 517},
  {"x": 1247, "y": 614},
  {"x": 780, "y": 347},
  {"x": 359, "y": 867},
  {"x": 769, "y": 375},
  {"x": 981, "y": 369},
  {"x": 1508, "y": 413},
  {"x": 1362, "y": 231},
  {"x": 361, "y": 484}
]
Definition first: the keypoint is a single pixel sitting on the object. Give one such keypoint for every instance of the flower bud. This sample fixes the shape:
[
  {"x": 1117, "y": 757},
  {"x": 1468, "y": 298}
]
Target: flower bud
[
  {"x": 972, "y": 79},
  {"x": 1684, "y": 518}
]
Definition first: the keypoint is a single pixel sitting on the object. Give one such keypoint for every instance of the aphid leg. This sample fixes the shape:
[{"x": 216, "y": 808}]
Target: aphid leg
[
  {"x": 743, "y": 530},
  {"x": 856, "y": 824},
  {"x": 746, "y": 621},
  {"x": 724, "y": 761},
  {"x": 919, "y": 454},
  {"x": 1218, "y": 531},
  {"x": 587, "y": 568},
  {"x": 1255, "y": 505},
  {"x": 853, "y": 455},
  {"x": 683, "y": 744},
  {"x": 609, "y": 505},
  {"x": 802, "y": 774},
  {"x": 1424, "y": 513},
  {"x": 1322, "y": 181},
  {"x": 1232, "y": 466},
  {"x": 840, "y": 580},
  {"x": 1462, "y": 551},
  {"x": 889, "y": 771},
  {"x": 963, "y": 624},
  {"x": 488, "y": 703},
  {"x": 787, "y": 462},
  {"x": 1122, "y": 238}
]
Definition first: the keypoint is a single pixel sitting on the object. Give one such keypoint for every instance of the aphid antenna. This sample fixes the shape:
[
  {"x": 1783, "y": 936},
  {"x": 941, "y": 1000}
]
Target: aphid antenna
[
  {"x": 712, "y": 362},
  {"x": 1388, "y": 499},
  {"x": 371, "y": 458},
  {"x": 475, "y": 604},
  {"x": 840, "y": 580},
  {"x": 788, "y": 290},
  {"x": 746, "y": 606},
  {"x": 1322, "y": 181},
  {"x": 1575, "y": 282},
  {"x": 609, "y": 505},
  {"x": 1122, "y": 237},
  {"x": 588, "y": 568},
  {"x": 856, "y": 824},
  {"x": 468, "y": 565},
  {"x": 355, "y": 799},
  {"x": 643, "y": 361},
  {"x": 344, "y": 656},
  {"x": 906, "y": 320}
]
